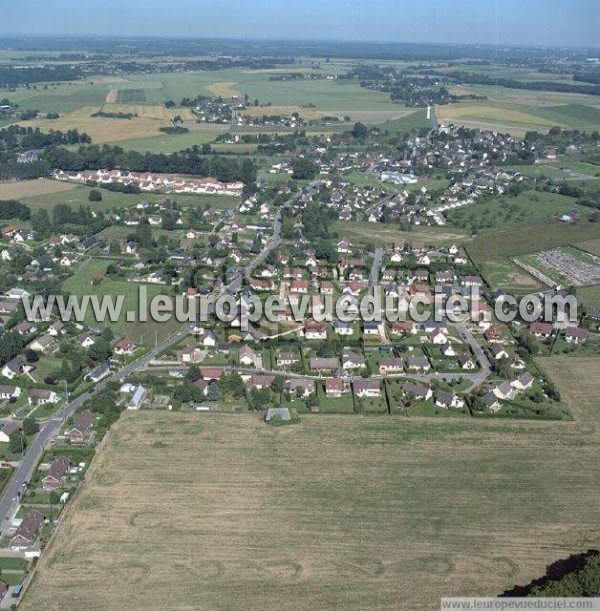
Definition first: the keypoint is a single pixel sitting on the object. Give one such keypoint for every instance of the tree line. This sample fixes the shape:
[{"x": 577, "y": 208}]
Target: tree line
[{"x": 189, "y": 162}]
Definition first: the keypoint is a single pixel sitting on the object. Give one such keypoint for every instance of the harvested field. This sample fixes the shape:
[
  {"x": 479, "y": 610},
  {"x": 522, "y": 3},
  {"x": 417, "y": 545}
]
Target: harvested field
[
  {"x": 224, "y": 89},
  {"x": 102, "y": 129},
  {"x": 216, "y": 512},
  {"x": 111, "y": 96},
  {"x": 30, "y": 188},
  {"x": 577, "y": 381}
]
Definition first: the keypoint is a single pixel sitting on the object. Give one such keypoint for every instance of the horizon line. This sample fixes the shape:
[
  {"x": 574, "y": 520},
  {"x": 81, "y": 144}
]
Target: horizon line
[{"x": 241, "y": 38}]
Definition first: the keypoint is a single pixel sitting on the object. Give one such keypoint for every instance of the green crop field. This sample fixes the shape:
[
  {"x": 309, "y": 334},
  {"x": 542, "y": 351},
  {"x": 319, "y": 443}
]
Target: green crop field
[
  {"x": 62, "y": 98},
  {"x": 374, "y": 513},
  {"x": 491, "y": 251},
  {"x": 571, "y": 115},
  {"x": 130, "y": 96},
  {"x": 590, "y": 296},
  {"x": 171, "y": 143},
  {"x": 413, "y": 120}
]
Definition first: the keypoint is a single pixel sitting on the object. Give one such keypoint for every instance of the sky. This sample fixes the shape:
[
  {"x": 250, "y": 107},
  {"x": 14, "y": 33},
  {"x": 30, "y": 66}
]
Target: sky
[{"x": 502, "y": 22}]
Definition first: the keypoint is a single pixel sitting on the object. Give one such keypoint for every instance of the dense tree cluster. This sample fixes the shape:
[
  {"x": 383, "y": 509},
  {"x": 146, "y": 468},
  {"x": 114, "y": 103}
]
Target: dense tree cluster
[
  {"x": 190, "y": 161},
  {"x": 13, "y": 209}
]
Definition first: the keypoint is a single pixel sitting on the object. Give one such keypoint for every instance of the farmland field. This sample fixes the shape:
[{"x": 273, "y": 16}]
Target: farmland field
[
  {"x": 591, "y": 246},
  {"x": 157, "y": 142},
  {"x": 518, "y": 111},
  {"x": 217, "y": 512},
  {"x": 128, "y": 96},
  {"x": 365, "y": 232},
  {"x": 590, "y": 295},
  {"x": 491, "y": 250},
  {"x": 33, "y": 188},
  {"x": 99, "y": 128}
]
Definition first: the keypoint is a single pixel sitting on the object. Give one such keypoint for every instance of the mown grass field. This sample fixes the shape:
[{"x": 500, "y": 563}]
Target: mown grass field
[
  {"x": 379, "y": 234},
  {"x": 79, "y": 194},
  {"x": 158, "y": 142},
  {"x": 527, "y": 207},
  {"x": 217, "y": 512}
]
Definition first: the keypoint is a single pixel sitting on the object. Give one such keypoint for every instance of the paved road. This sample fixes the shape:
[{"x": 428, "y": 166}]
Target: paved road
[
  {"x": 376, "y": 267},
  {"x": 381, "y": 202},
  {"x": 271, "y": 245},
  {"x": 434, "y": 123}
]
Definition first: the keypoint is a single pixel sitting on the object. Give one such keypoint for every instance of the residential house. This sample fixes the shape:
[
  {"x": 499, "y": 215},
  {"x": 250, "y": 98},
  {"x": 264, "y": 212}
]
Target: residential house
[
  {"x": 190, "y": 354},
  {"x": 448, "y": 350},
  {"x": 85, "y": 340},
  {"x": 56, "y": 473},
  {"x": 13, "y": 368},
  {"x": 27, "y": 531},
  {"x": 259, "y": 382},
  {"x": 315, "y": 330},
  {"x": 352, "y": 360},
  {"x": 82, "y": 425},
  {"x": 9, "y": 392},
  {"x": 466, "y": 362},
  {"x": 125, "y": 347},
  {"x": 372, "y": 328},
  {"x": 56, "y": 328},
  {"x": 542, "y": 330},
  {"x": 576, "y": 335},
  {"x": 367, "y": 388},
  {"x": 419, "y": 364},
  {"x": 287, "y": 358},
  {"x": 524, "y": 382},
  {"x": 38, "y": 396},
  {"x": 324, "y": 364},
  {"x": 403, "y": 328},
  {"x": 448, "y": 399},
  {"x": 334, "y": 387},
  {"x": 505, "y": 391},
  {"x": 418, "y": 391},
  {"x": 491, "y": 401},
  {"x": 8, "y": 428},
  {"x": 342, "y": 327},
  {"x": 300, "y": 388},
  {"x": 99, "y": 372},
  {"x": 249, "y": 358},
  {"x": 391, "y": 365},
  {"x": 498, "y": 352},
  {"x": 41, "y": 344}
]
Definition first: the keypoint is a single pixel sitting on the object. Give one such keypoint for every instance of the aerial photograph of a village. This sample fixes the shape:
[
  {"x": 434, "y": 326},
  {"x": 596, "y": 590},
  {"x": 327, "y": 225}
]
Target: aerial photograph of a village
[{"x": 299, "y": 305}]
